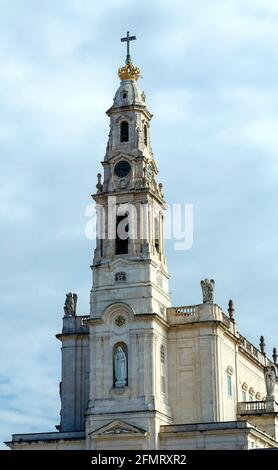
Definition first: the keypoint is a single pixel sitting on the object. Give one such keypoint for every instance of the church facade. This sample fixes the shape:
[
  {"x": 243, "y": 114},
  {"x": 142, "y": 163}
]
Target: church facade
[{"x": 139, "y": 373}]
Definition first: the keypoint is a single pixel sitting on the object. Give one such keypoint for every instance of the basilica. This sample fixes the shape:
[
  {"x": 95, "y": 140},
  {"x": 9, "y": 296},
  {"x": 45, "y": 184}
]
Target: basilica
[{"x": 138, "y": 372}]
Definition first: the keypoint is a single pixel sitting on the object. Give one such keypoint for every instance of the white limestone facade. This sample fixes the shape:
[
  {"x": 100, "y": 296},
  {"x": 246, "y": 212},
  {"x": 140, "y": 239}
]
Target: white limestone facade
[{"x": 188, "y": 379}]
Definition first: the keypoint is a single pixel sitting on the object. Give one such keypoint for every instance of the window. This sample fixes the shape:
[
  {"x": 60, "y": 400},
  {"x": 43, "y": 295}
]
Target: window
[
  {"x": 229, "y": 385},
  {"x": 124, "y": 131},
  {"x": 244, "y": 398},
  {"x": 159, "y": 278},
  {"x": 162, "y": 369},
  {"x": 251, "y": 398},
  {"x": 122, "y": 229},
  {"x": 145, "y": 135},
  {"x": 120, "y": 276},
  {"x": 163, "y": 384},
  {"x": 162, "y": 354},
  {"x": 156, "y": 234}
]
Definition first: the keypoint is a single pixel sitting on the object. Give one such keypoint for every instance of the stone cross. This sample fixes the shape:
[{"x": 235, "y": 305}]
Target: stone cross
[{"x": 127, "y": 39}]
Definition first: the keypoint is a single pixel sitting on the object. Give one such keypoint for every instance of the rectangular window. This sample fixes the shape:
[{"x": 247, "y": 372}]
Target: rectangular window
[
  {"x": 124, "y": 131},
  {"x": 229, "y": 385},
  {"x": 251, "y": 398},
  {"x": 244, "y": 395}
]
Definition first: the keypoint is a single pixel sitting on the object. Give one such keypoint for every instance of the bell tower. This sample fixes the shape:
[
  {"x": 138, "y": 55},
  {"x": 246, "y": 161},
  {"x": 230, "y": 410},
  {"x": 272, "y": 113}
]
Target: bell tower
[{"x": 129, "y": 296}]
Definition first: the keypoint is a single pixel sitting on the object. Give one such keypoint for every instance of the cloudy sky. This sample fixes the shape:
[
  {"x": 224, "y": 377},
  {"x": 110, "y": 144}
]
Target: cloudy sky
[{"x": 210, "y": 71}]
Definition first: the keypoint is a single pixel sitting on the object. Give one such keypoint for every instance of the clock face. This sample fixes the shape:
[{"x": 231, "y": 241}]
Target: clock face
[
  {"x": 149, "y": 172},
  {"x": 122, "y": 169}
]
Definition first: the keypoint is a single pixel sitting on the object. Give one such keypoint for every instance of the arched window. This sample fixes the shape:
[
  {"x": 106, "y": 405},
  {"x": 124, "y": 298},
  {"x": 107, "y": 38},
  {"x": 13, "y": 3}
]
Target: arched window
[
  {"x": 251, "y": 394},
  {"x": 258, "y": 396},
  {"x": 124, "y": 131},
  {"x": 122, "y": 232},
  {"x": 229, "y": 386},
  {"x": 244, "y": 391},
  {"x": 120, "y": 365},
  {"x": 145, "y": 135},
  {"x": 156, "y": 234},
  {"x": 230, "y": 372}
]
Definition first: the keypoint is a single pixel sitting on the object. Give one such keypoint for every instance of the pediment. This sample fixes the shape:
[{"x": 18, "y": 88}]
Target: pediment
[
  {"x": 118, "y": 427},
  {"x": 120, "y": 263}
]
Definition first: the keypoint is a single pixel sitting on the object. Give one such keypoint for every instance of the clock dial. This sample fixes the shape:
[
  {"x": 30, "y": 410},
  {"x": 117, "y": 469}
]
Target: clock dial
[
  {"x": 149, "y": 172},
  {"x": 122, "y": 169}
]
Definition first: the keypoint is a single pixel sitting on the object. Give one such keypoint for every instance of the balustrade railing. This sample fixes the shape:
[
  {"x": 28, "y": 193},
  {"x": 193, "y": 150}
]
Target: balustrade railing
[
  {"x": 251, "y": 407},
  {"x": 188, "y": 310}
]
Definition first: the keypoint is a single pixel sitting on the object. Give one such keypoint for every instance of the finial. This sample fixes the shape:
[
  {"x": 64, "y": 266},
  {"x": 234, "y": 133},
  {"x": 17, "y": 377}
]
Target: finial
[
  {"x": 274, "y": 356},
  {"x": 231, "y": 310},
  {"x": 99, "y": 185},
  {"x": 129, "y": 71},
  {"x": 262, "y": 345}
]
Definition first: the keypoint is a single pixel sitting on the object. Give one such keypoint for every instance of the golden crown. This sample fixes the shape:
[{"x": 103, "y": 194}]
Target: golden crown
[{"x": 129, "y": 72}]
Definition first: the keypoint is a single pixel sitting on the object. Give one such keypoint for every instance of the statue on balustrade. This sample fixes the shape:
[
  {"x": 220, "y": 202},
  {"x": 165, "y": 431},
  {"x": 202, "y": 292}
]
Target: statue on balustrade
[
  {"x": 208, "y": 291},
  {"x": 70, "y": 305},
  {"x": 270, "y": 379}
]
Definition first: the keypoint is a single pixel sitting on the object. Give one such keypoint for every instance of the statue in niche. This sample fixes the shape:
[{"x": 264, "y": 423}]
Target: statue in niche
[
  {"x": 138, "y": 136},
  {"x": 70, "y": 305},
  {"x": 110, "y": 141},
  {"x": 208, "y": 291},
  {"x": 120, "y": 368},
  {"x": 270, "y": 379}
]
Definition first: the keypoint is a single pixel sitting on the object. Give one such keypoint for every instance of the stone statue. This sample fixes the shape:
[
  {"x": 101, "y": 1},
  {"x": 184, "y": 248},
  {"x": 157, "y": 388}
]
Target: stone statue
[
  {"x": 110, "y": 141},
  {"x": 270, "y": 379},
  {"x": 138, "y": 136},
  {"x": 120, "y": 368},
  {"x": 208, "y": 291},
  {"x": 70, "y": 305}
]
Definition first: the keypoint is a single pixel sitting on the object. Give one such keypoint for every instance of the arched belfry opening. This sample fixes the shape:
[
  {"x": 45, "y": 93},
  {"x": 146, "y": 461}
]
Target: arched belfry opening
[
  {"x": 145, "y": 134},
  {"x": 122, "y": 231},
  {"x": 156, "y": 234},
  {"x": 124, "y": 131}
]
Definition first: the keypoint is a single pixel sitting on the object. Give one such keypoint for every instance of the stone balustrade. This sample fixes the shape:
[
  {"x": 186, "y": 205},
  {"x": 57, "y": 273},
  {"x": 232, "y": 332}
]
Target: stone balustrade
[
  {"x": 251, "y": 407},
  {"x": 194, "y": 313},
  {"x": 252, "y": 350},
  {"x": 187, "y": 310}
]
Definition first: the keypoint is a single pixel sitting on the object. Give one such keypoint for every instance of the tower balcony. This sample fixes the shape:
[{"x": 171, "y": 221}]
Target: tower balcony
[
  {"x": 245, "y": 408},
  {"x": 199, "y": 313}
]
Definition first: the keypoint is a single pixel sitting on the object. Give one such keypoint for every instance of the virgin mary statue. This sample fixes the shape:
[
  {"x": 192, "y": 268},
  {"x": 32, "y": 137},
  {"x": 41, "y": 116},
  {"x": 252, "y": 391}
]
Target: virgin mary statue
[{"x": 120, "y": 368}]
